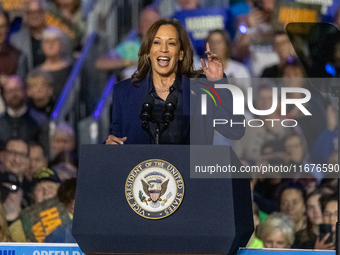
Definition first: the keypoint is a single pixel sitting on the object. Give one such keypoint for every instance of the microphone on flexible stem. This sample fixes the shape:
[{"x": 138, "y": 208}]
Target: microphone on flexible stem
[
  {"x": 146, "y": 114},
  {"x": 169, "y": 112}
]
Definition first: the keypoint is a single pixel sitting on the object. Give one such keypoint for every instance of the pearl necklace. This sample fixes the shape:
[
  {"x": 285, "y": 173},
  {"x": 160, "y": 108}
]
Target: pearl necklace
[{"x": 164, "y": 90}]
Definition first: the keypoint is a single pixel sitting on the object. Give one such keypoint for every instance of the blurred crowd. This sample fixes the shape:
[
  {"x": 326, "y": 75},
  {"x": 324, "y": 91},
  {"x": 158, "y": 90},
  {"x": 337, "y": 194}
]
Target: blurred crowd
[{"x": 39, "y": 163}]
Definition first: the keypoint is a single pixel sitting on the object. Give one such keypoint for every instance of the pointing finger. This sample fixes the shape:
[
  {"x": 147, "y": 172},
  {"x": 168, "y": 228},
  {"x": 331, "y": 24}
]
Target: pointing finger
[{"x": 207, "y": 45}]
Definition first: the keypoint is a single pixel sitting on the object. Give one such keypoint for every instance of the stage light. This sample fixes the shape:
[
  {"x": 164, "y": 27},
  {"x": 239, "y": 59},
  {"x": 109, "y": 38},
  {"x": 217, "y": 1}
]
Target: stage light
[
  {"x": 330, "y": 69},
  {"x": 243, "y": 28}
]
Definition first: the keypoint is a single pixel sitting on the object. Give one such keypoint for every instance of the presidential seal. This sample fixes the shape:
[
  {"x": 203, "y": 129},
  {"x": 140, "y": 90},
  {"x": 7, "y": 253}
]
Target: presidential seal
[{"x": 154, "y": 189}]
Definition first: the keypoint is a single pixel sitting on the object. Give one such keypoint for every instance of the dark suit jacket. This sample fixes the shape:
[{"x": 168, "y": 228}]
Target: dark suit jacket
[
  {"x": 129, "y": 98},
  {"x": 32, "y": 126}
]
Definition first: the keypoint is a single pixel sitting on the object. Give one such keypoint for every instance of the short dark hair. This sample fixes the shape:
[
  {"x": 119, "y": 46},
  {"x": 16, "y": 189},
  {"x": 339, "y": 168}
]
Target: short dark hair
[
  {"x": 294, "y": 185},
  {"x": 16, "y": 139},
  {"x": 326, "y": 199},
  {"x": 36, "y": 144},
  {"x": 67, "y": 191}
]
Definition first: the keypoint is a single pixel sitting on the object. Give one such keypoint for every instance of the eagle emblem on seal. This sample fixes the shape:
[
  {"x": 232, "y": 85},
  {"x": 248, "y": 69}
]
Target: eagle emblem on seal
[{"x": 155, "y": 185}]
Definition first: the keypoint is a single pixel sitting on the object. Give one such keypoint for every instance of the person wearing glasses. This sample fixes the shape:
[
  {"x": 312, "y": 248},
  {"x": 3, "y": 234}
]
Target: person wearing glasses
[{"x": 15, "y": 159}]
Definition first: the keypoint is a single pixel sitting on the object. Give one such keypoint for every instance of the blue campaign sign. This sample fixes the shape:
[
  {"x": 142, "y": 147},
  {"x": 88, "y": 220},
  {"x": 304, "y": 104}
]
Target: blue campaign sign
[
  {"x": 200, "y": 21},
  {"x": 39, "y": 249},
  {"x": 328, "y": 9}
]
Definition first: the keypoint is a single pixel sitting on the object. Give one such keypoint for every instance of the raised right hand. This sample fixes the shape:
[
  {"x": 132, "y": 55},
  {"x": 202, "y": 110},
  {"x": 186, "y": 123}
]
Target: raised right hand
[{"x": 115, "y": 140}]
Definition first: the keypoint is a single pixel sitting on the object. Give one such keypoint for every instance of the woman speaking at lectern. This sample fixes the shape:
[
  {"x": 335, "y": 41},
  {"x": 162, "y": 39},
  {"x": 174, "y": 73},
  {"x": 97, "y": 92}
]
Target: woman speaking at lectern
[{"x": 165, "y": 66}]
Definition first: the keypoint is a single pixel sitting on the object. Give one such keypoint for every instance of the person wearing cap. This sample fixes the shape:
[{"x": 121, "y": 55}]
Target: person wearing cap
[{"x": 45, "y": 187}]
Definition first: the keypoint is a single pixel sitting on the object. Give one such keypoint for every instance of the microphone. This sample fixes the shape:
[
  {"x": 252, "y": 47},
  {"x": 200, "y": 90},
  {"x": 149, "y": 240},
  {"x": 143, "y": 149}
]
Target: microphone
[
  {"x": 147, "y": 108},
  {"x": 146, "y": 115},
  {"x": 170, "y": 107}
]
